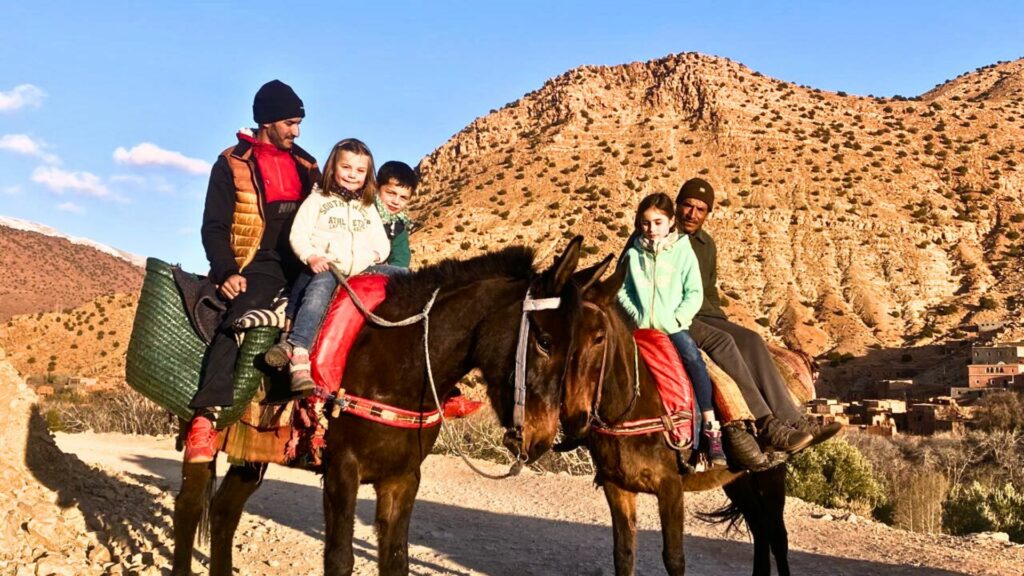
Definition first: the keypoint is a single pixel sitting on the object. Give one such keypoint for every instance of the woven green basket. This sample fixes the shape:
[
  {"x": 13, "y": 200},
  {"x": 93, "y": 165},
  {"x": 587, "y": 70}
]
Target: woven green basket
[{"x": 165, "y": 355}]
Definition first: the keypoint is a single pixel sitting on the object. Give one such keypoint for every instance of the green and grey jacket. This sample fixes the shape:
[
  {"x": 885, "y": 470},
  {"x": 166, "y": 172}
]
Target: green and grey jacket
[{"x": 663, "y": 287}]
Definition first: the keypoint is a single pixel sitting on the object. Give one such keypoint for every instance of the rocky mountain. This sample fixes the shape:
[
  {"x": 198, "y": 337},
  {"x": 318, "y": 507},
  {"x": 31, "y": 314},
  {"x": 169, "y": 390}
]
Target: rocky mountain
[
  {"x": 88, "y": 341},
  {"x": 843, "y": 222},
  {"x": 44, "y": 270}
]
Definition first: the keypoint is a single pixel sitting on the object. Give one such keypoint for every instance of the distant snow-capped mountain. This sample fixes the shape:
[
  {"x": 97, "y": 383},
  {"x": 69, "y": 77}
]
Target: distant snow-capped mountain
[{"x": 19, "y": 224}]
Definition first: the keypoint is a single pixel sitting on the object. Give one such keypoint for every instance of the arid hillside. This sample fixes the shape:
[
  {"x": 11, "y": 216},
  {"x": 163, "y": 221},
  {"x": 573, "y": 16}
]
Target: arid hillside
[
  {"x": 843, "y": 222},
  {"x": 88, "y": 341},
  {"x": 42, "y": 272}
]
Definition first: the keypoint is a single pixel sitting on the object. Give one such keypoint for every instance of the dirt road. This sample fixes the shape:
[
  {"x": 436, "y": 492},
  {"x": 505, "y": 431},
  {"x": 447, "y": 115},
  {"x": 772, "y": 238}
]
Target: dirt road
[{"x": 530, "y": 525}]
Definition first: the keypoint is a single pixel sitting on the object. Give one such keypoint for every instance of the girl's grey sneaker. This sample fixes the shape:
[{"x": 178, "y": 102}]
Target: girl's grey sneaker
[{"x": 302, "y": 381}]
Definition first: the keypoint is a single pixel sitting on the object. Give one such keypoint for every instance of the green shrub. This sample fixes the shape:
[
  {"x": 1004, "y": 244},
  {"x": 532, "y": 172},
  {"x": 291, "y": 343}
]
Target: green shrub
[
  {"x": 979, "y": 508},
  {"x": 835, "y": 474}
]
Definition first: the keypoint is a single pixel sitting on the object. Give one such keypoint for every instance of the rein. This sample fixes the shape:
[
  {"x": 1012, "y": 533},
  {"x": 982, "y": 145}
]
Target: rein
[
  {"x": 666, "y": 424},
  {"x": 594, "y": 417},
  {"x": 365, "y": 408}
]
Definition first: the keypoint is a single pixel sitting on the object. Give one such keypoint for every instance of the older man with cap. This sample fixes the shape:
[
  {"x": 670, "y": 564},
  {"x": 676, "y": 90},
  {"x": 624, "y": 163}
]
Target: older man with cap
[
  {"x": 739, "y": 351},
  {"x": 255, "y": 188}
]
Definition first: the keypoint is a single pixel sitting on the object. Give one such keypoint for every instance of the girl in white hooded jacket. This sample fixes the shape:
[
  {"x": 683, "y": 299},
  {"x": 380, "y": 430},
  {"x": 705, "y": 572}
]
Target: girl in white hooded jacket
[{"x": 337, "y": 224}]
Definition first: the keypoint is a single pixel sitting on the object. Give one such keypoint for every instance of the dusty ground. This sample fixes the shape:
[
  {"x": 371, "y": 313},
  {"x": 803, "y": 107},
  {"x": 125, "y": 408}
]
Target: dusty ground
[{"x": 463, "y": 524}]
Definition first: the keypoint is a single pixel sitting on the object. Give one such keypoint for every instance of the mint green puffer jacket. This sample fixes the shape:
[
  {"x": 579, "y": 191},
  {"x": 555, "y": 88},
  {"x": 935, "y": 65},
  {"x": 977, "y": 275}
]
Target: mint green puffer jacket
[{"x": 663, "y": 289}]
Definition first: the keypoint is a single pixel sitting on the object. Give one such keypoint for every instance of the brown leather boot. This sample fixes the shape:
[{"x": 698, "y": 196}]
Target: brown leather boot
[
  {"x": 820, "y": 432},
  {"x": 781, "y": 436},
  {"x": 742, "y": 448}
]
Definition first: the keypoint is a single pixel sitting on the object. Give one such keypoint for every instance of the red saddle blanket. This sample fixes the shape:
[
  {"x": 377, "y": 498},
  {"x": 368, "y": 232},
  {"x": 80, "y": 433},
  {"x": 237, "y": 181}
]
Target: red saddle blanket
[
  {"x": 341, "y": 325},
  {"x": 673, "y": 384}
]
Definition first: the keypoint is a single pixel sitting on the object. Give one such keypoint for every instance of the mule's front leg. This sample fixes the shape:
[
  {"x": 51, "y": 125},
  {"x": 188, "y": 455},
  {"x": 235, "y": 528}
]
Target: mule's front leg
[
  {"x": 341, "y": 488},
  {"x": 622, "y": 504},
  {"x": 226, "y": 510},
  {"x": 188, "y": 511},
  {"x": 671, "y": 509},
  {"x": 395, "y": 499}
]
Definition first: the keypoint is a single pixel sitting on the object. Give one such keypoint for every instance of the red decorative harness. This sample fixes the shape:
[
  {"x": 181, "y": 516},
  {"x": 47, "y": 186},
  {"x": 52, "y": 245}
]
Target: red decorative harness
[
  {"x": 677, "y": 398},
  {"x": 382, "y": 413}
]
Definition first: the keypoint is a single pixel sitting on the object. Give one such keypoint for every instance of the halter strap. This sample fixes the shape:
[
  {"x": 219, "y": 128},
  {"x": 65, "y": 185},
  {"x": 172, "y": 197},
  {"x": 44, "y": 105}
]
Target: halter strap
[{"x": 530, "y": 304}]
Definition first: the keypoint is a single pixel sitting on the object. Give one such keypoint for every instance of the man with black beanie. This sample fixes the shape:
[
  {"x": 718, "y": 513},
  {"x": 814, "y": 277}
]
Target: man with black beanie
[
  {"x": 255, "y": 188},
  {"x": 739, "y": 351}
]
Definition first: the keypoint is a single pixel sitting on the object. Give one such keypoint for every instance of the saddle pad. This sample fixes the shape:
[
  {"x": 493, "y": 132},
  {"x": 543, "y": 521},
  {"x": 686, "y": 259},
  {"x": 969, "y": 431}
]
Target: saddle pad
[
  {"x": 729, "y": 399},
  {"x": 340, "y": 327},
  {"x": 165, "y": 355},
  {"x": 796, "y": 371},
  {"x": 670, "y": 376}
]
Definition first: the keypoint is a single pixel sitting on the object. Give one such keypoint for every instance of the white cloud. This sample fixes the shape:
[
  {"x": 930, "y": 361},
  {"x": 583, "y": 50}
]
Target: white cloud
[
  {"x": 70, "y": 207},
  {"x": 23, "y": 96},
  {"x": 149, "y": 154},
  {"x": 11, "y": 190},
  {"x": 61, "y": 180},
  {"x": 26, "y": 145},
  {"x": 127, "y": 179}
]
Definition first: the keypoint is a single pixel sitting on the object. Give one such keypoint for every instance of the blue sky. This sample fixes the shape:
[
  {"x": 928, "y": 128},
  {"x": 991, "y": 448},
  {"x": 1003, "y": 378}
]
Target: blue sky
[{"x": 111, "y": 112}]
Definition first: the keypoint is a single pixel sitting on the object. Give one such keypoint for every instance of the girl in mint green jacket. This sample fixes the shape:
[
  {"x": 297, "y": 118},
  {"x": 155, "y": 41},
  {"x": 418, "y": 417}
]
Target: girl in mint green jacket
[{"x": 663, "y": 291}]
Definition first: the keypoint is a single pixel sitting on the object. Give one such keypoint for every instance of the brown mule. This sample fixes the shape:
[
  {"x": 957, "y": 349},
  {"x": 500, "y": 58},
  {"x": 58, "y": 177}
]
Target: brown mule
[
  {"x": 601, "y": 385},
  {"x": 474, "y": 322}
]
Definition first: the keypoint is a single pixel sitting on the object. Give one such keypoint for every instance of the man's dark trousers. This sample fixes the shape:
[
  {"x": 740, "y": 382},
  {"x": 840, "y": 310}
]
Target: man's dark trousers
[
  {"x": 742, "y": 354},
  {"x": 217, "y": 387}
]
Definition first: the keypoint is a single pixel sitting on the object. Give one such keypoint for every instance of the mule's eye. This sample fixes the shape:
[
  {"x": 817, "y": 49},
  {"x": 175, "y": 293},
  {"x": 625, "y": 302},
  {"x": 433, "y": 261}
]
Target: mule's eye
[
  {"x": 599, "y": 338},
  {"x": 543, "y": 344}
]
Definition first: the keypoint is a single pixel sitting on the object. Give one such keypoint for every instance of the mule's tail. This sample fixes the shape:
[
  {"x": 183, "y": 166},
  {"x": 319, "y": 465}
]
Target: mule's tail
[
  {"x": 203, "y": 532},
  {"x": 729, "y": 514}
]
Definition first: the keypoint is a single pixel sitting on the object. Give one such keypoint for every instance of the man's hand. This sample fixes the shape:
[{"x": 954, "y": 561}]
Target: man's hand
[
  {"x": 319, "y": 264},
  {"x": 233, "y": 286}
]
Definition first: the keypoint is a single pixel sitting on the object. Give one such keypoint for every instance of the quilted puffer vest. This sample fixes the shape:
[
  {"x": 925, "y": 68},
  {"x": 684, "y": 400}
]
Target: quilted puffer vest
[{"x": 247, "y": 222}]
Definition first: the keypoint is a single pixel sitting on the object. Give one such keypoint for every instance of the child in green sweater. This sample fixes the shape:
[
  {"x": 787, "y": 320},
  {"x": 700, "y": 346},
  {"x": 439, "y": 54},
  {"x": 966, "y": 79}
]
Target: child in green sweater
[
  {"x": 663, "y": 291},
  {"x": 397, "y": 183}
]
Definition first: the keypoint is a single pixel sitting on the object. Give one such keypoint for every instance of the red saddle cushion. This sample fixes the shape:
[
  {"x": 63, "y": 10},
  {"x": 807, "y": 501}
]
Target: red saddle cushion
[
  {"x": 340, "y": 326},
  {"x": 673, "y": 384}
]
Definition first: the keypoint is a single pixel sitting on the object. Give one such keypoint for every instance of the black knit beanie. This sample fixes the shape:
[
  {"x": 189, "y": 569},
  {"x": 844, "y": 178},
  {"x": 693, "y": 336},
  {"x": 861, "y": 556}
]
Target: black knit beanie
[
  {"x": 699, "y": 189},
  {"x": 276, "y": 101}
]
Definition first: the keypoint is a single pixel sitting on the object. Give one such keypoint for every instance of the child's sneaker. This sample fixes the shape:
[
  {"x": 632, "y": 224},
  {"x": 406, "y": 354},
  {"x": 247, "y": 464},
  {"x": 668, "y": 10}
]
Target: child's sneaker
[
  {"x": 712, "y": 437},
  {"x": 199, "y": 445},
  {"x": 279, "y": 354},
  {"x": 302, "y": 382}
]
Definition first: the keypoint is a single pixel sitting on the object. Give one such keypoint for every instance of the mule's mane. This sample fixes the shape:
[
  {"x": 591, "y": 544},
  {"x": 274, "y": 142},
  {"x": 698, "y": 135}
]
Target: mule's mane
[{"x": 514, "y": 262}]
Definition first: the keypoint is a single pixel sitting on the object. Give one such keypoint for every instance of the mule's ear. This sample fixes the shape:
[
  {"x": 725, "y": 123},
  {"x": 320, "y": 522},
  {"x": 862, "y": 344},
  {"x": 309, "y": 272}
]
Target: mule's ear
[
  {"x": 561, "y": 271},
  {"x": 606, "y": 291},
  {"x": 588, "y": 276}
]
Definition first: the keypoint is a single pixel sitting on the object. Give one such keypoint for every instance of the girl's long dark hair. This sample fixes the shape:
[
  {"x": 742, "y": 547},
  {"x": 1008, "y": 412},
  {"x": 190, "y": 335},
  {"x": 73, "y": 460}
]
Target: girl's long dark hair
[
  {"x": 660, "y": 202},
  {"x": 353, "y": 146}
]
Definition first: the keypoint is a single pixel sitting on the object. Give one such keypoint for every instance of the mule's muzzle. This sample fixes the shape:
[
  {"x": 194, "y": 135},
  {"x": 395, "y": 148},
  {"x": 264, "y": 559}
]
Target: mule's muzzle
[
  {"x": 577, "y": 426},
  {"x": 569, "y": 444},
  {"x": 513, "y": 442},
  {"x": 525, "y": 451}
]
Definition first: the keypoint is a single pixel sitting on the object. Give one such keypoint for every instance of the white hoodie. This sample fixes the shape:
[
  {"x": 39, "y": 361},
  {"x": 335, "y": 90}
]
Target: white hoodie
[{"x": 345, "y": 232}]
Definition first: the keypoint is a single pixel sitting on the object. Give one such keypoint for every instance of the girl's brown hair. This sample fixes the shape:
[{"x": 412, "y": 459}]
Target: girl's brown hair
[
  {"x": 660, "y": 202},
  {"x": 353, "y": 146}
]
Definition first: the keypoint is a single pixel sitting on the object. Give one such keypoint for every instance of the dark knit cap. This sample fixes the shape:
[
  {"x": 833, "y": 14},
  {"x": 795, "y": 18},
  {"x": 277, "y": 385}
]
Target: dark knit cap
[
  {"x": 276, "y": 101},
  {"x": 699, "y": 189}
]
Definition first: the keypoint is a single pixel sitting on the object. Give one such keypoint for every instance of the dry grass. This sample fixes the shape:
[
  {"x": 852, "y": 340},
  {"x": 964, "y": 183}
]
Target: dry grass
[{"x": 121, "y": 410}]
